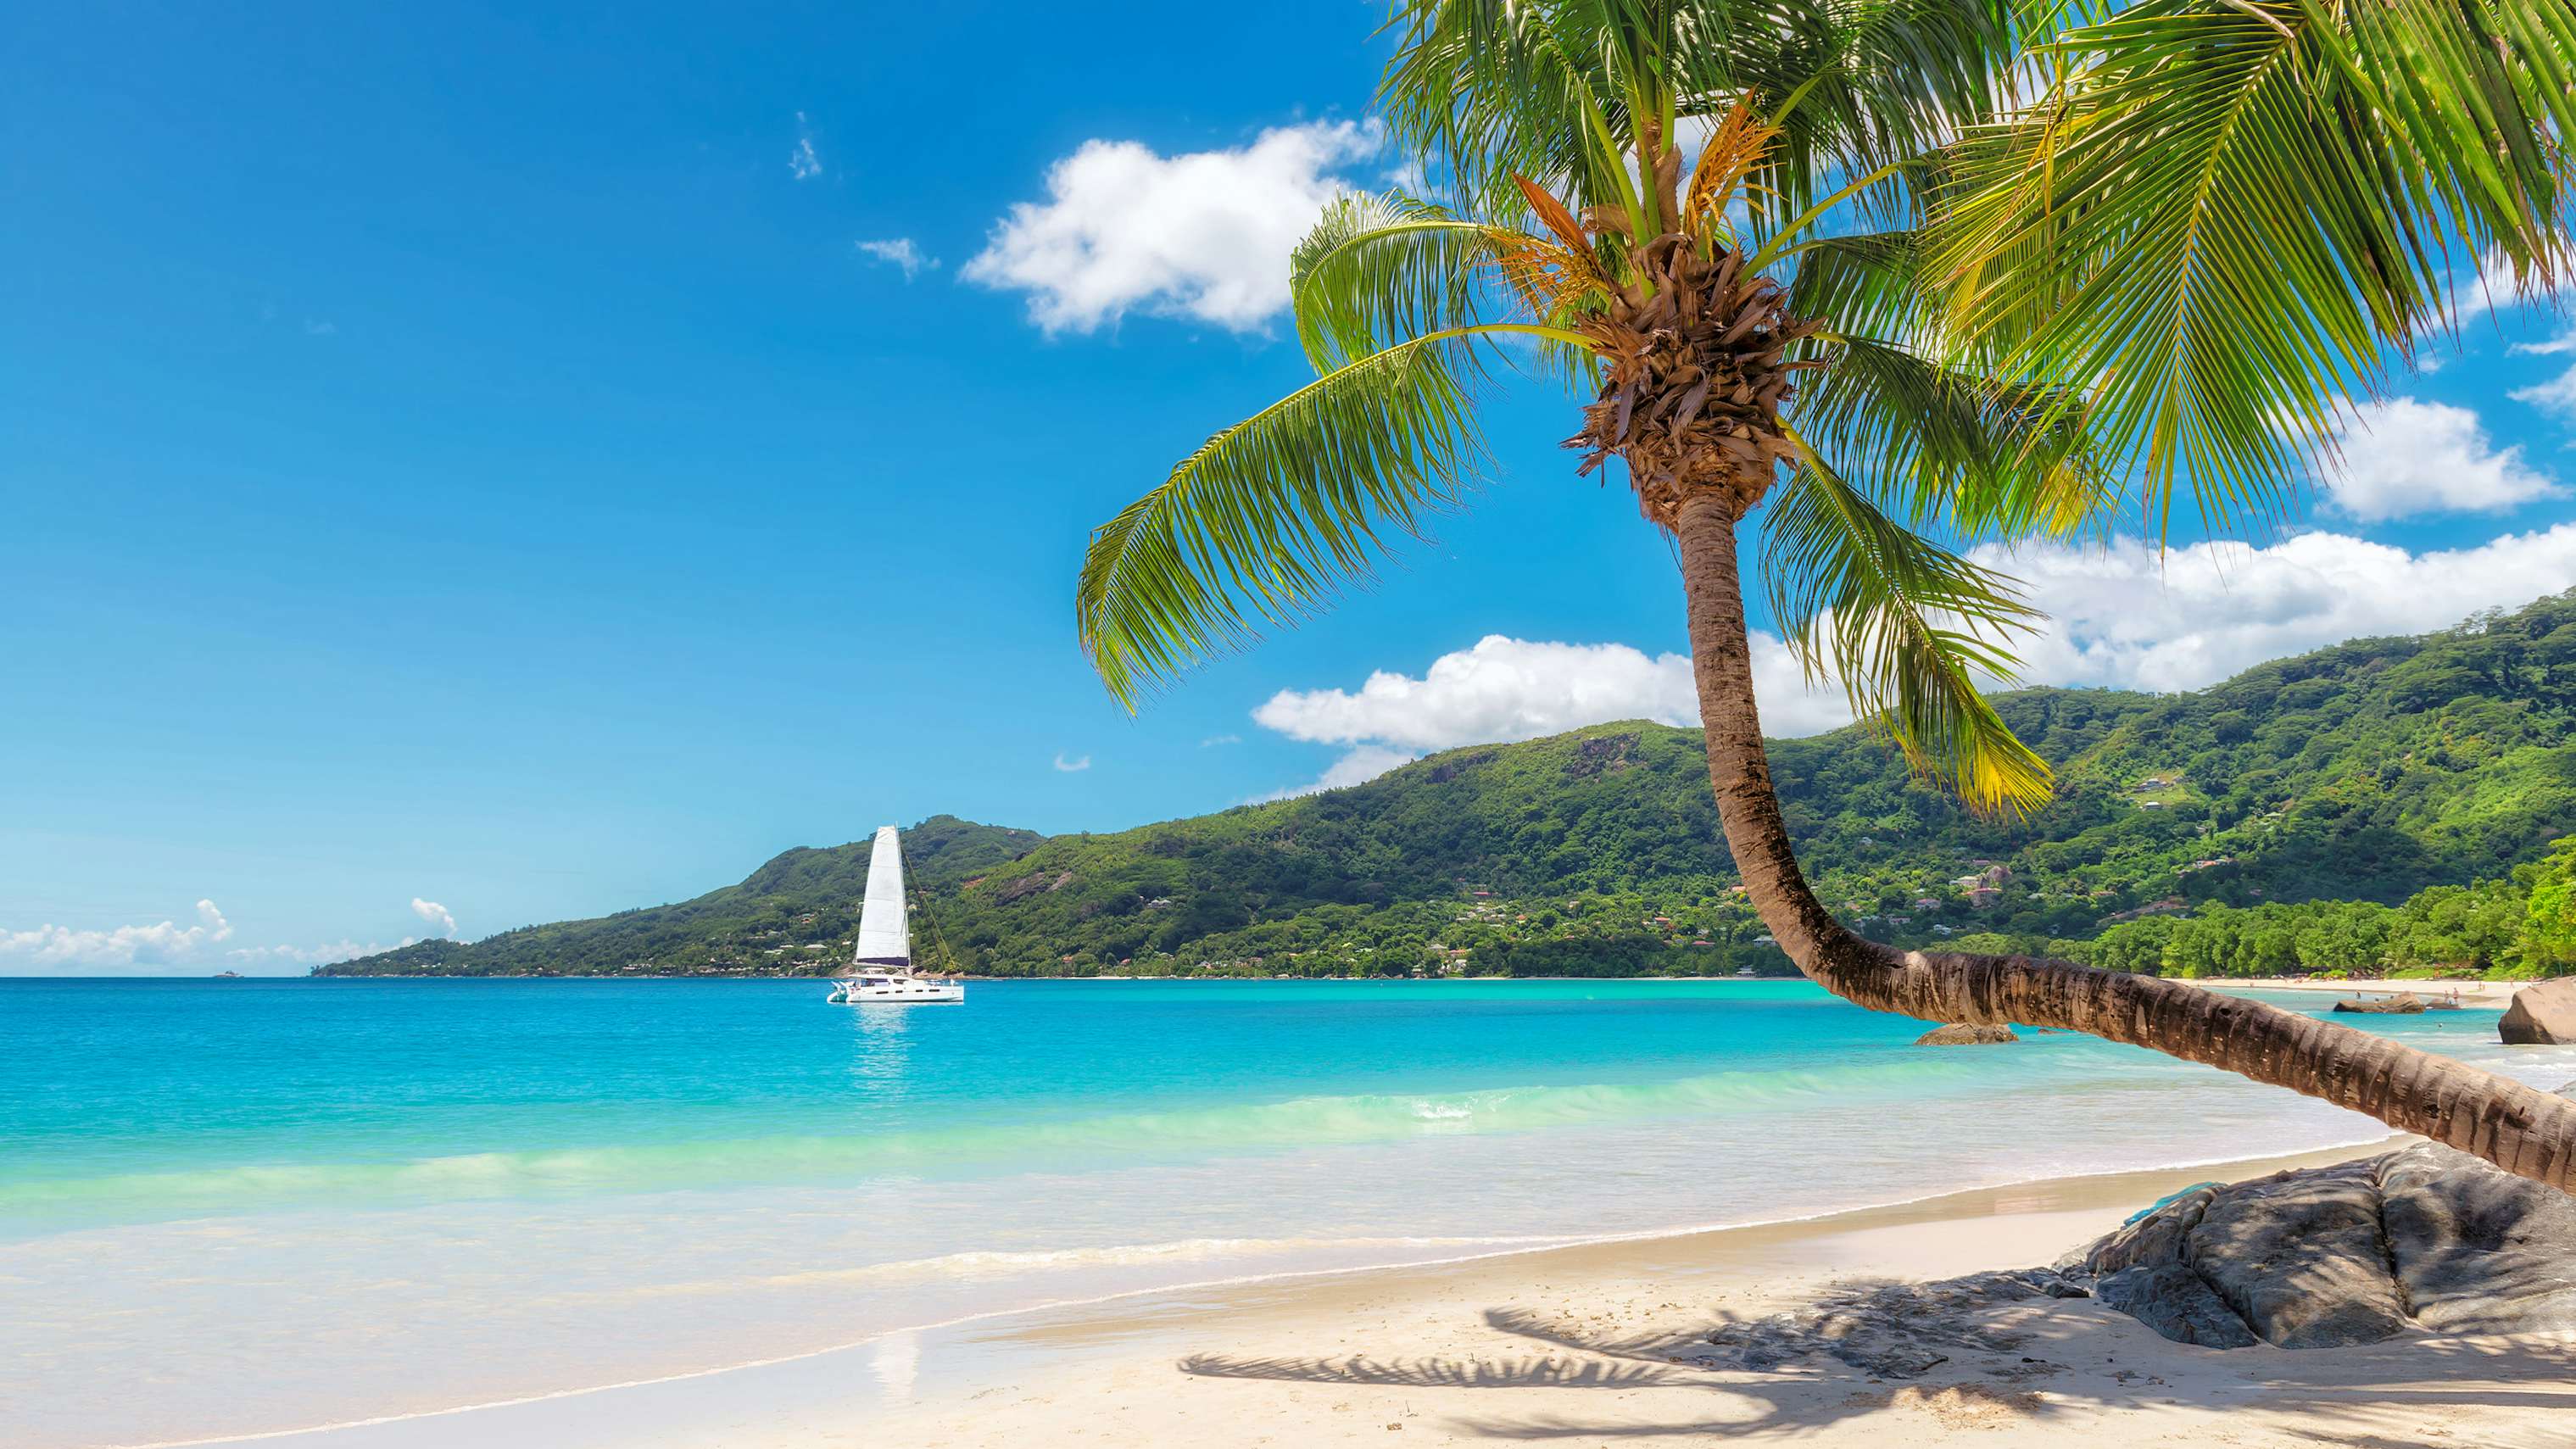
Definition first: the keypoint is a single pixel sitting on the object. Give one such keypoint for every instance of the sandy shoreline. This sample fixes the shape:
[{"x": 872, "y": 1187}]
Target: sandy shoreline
[
  {"x": 2471, "y": 991},
  {"x": 1590, "y": 1344}
]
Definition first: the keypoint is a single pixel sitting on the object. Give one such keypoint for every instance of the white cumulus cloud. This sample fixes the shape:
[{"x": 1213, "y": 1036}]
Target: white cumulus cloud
[
  {"x": 1204, "y": 235},
  {"x": 437, "y": 915},
  {"x": 53, "y": 948},
  {"x": 1072, "y": 765},
  {"x": 2126, "y": 616},
  {"x": 902, "y": 252},
  {"x": 1516, "y": 689},
  {"x": 2404, "y": 457}
]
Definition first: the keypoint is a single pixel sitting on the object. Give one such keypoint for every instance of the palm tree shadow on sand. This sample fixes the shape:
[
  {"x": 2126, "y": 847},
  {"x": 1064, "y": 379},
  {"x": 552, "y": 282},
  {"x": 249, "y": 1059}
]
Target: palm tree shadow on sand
[{"x": 1985, "y": 1351}]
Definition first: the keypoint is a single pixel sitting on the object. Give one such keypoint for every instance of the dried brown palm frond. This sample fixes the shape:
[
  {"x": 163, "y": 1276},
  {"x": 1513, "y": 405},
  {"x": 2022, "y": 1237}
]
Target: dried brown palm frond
[
  {"x": 1738, "y": 145},
  {"x": 1695, "y": 375}
]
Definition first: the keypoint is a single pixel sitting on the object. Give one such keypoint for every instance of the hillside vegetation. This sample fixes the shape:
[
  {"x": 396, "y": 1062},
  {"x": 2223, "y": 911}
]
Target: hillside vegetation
[{"x": 2367, "y": 772}]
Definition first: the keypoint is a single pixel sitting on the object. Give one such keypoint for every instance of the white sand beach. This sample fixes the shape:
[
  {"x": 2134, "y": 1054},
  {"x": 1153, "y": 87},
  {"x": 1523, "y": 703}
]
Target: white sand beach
[{"x": 1594, "y": 1345}]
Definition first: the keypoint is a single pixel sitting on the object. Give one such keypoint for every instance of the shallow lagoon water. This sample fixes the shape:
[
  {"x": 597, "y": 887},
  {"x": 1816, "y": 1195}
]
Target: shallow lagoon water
[{"x": 246, "y": 1206}]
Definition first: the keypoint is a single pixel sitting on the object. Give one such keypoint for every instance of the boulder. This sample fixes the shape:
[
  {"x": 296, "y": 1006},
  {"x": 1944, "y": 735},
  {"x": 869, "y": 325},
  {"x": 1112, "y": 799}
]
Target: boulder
[
  {"x": 2477, "y": 1250},
  {"x": 1966, "y": 1036},
  {"x": 2354, "y": 1253},
  {"x": 2297, "y": 1255},
  {"x": 2541, "y": 1015},
  {"x": 2176, "y": 1302},
  {"x": 2404, "y": 1003}
]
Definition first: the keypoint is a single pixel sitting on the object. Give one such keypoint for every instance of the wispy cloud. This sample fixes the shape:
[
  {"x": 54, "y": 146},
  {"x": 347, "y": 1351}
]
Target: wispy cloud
[
  {"x": 1220, "y": 740},
  {"x": 2495, "y": 287},
  {"x": 803, "y": 163},
  {"x": 1070, "y": 766},
  {"x": 2558, "y": 395},
  {"x": 1357, "y": 766},
  {"x": 319, "y": 328},
  {"x": 343, "y": 950},
  {"x": 900, "y": 251}
]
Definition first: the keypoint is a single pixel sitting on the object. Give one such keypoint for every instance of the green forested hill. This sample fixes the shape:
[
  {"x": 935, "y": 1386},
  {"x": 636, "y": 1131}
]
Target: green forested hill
[
  {"x": 780, "y": 919},
  {"x": 2366, "y": 771}
]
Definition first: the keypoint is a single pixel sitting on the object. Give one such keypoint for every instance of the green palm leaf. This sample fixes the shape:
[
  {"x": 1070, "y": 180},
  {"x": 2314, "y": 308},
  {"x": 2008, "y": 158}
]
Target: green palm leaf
[
  {"x": 1952, "y": 450},
  {"x": 2228, "y": 208},
  {"x": 1869, "y": 283},
  {"x": 1269, "y": 517},
  {"x": 1910, "y": 629},
  {"x": 1378, "y": 269},
  {"x": 1495, "y": 89},
  {"x": 1856, "y": 85}
]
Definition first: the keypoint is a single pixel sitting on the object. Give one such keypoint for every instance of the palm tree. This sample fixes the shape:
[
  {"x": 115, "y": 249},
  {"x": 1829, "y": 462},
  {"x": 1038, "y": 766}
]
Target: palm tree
[{"x": 1937, "y": 272}]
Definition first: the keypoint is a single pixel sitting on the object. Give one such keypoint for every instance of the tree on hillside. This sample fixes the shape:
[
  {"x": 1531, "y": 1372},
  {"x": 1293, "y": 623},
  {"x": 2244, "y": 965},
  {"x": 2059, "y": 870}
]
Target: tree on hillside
[
  {"x": 1877, "y": 279},
  {"x": 2548, "y": 936}
]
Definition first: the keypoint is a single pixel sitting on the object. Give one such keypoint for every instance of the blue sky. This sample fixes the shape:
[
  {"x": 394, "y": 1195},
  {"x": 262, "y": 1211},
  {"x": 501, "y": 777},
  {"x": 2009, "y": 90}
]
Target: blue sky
[{"x": 481, "y": 467}]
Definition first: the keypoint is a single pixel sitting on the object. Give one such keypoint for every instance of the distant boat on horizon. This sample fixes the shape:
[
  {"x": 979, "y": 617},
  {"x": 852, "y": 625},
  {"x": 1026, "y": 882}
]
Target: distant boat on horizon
[{"x": 882, "y": 971}]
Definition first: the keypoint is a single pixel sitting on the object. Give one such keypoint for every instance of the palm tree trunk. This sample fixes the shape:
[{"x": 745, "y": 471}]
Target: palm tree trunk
[{"x": 2520, "y": 1129}]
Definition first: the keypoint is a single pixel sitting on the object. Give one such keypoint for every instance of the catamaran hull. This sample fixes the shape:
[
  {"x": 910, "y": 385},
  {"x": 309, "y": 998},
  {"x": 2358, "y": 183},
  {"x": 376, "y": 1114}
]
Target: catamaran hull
[{"x": 909, "y": 993}]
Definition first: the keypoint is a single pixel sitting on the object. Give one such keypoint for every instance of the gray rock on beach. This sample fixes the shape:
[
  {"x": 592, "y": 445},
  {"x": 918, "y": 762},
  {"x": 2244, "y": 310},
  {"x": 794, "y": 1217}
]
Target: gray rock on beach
[
  {"x": 2541, "y": 1015},
  {"x": 2325, "y": 1257},
  {"x": 1966, "y": 1036},
  {"x": 2404, "y": 1003}
]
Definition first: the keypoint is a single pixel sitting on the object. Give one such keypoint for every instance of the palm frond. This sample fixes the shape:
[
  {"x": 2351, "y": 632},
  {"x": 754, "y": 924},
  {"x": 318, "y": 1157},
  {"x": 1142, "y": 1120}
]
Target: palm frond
[
  {"x": 1735, "y": 148},
  {"x": 2227, "y": 209},
  {"x": 1968, "y": 455},
  {"x": 1376, "y": 270},
  {"x": 1495, "y": 89},
  {"x": 1267, "y": 519},
  {"x": 1852, "y": 85},
  {"x": 1910, "y": 629},
  {"x": 1867, "y": 283}
]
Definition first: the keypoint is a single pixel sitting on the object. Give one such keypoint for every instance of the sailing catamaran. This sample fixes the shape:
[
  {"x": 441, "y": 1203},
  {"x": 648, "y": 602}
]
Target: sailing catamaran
[{"x": 882, "y": 964}]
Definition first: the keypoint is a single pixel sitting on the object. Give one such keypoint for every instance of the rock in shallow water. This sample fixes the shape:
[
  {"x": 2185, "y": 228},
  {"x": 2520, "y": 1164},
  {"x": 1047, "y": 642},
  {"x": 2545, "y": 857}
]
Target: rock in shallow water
[
  {"x": 2541, "y": 1015},
  {"x": 2353, "y": 1253},
  {"x": 2404, "y": 1003},
  {"x": 1966, "y": 1036}
]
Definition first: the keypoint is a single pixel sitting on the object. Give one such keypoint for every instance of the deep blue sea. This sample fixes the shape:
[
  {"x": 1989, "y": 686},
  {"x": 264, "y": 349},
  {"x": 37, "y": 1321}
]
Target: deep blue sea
[{"x": 287, "y": 1197}]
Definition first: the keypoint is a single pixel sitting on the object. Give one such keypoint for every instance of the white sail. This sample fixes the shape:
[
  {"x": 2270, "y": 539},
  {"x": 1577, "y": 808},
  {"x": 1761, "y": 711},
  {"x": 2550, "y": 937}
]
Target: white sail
[{"x": 883, "y": 937}]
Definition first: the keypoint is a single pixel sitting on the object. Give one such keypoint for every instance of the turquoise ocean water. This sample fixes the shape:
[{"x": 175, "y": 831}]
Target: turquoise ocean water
[{"x": 308, "y": 1202}]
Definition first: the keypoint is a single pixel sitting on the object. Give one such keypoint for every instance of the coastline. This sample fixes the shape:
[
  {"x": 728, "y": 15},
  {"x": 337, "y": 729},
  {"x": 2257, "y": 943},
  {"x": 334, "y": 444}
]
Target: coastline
[
  {"x": 2472, "y": 990},
  {"x": 534, "y": 1292},
  {"x": 1597, "y": 1333}
]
